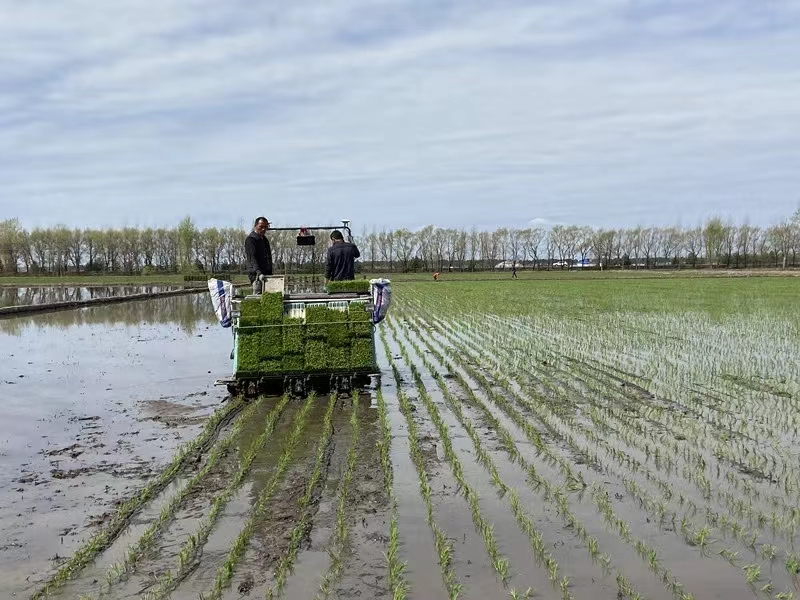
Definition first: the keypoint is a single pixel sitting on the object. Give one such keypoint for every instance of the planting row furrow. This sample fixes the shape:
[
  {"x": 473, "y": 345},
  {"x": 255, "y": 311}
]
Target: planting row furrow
[
  {"x": 699, "y": 533},
  {"x": 226, "y": 570},
  {"x": 101, "y": 540},
  {"x": 304, "y": 524},
  {"x": 119, "y": 571},
  {"x": 444, "y": 547},
  {"x": 341, "y": 530},
  {"x": 397, "y": 582},
  {"x": 195, "y": 542},
  {"x": 573, "y": 478}
]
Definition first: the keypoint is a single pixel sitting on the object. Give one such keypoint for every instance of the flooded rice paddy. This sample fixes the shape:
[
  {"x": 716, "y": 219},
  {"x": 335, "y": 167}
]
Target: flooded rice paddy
[
  {"x": 24, "y": 296},
  {"x": 603, "y": 450}
]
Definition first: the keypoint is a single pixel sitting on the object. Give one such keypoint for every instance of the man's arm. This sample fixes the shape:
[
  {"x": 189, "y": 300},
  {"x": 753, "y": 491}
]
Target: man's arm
[
  {"x": 356, "y": 253},
  {"x": 250, "y": 251},
  {"x": 329, "y": 264}
]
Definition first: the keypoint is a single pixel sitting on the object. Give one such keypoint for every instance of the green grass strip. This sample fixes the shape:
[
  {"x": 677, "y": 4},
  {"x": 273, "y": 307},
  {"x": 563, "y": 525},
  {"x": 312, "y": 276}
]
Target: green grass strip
[
  {"x": 168, "y": 582},
  {"x": 226, "y": 571},
  {"x": 102, "y": 539},
  {"x": 288, "y": 559}
]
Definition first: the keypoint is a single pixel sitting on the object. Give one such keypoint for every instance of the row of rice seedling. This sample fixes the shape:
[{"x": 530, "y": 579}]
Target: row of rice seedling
[
  {"x": 525, "y": 522},
  {"x": 341, "y": 533},
  {"x": 302, "y": 527},
  {"x": 196, "y": 540},
  {"x": 397, "y": 582},
  {"x": 690, "y": 533},
  {"x": 118, "y": 571},
  {"x": 583, "y": 384},
  {"x": 693, "y": 471},
  {"x": 550, "y": 492},
  {"x": 444, "y": 547},
  {"x": 126, "y": 510},
  {"x": 226, "y": 570},
  {"x": 575, "y": 480},
  {"x": 499, "y": 563},
  {"x": 742, "y": 437}
]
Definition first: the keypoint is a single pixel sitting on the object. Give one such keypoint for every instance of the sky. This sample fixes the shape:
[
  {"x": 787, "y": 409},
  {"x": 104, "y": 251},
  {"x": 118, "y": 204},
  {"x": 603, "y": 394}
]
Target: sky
[{"x": 399, "y": 114}]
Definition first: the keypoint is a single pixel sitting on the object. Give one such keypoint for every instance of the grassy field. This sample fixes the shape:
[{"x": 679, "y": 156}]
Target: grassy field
[
  {"x": 574, "y": 275},
  {"x": 590, "y": 438}
]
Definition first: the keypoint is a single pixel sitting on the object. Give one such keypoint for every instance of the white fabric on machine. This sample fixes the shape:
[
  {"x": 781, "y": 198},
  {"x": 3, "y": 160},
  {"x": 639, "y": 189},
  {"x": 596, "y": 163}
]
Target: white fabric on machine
[
  {"x": 221, "y": 297},
  {"x": 381, "y": 298}
]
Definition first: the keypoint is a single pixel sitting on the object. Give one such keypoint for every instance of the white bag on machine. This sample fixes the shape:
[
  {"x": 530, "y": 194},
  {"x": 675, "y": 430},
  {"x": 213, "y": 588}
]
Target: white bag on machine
[
  {"x": 381, "y": 298},
  {"x": 221, "y": 297}
]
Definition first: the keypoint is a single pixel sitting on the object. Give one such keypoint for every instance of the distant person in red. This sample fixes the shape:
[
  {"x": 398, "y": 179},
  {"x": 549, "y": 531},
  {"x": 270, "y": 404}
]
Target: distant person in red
[{"x": 436, "y": 276}]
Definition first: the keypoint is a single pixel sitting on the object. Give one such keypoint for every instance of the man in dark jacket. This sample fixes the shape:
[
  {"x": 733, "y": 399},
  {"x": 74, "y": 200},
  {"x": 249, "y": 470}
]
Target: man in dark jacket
[
  {"x": 341, "y": 258},
  {"x": 259, "y": 254}
]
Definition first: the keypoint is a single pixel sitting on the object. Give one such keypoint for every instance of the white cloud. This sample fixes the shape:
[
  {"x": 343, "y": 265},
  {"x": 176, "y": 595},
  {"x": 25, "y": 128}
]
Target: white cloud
[{"x": 604, "y": 113}]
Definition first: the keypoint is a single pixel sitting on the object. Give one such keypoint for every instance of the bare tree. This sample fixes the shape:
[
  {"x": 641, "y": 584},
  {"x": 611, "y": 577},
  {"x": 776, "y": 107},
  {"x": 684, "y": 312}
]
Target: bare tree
[
  {"x": 10, "y": 245},
  {"x": 650, "y": 240},
  {"x": 515, "y": 244},
  {"x": 406, "y": 244},
  {"x": 473, "y": 247},
  {"x": 531, "y": 243},
  {"x": 584, "y": 244},
  {"x": 694, "y": 244},
  {"x": 386, "y": 241},
  {"x": 672, "y": 243},
  {"x": 603, "y": 246}
]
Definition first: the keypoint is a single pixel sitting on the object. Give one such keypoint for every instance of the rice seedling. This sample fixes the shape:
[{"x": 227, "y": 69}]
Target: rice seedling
[
  {"x": 341, "y": 530},
  {"x": 288, "y": 558},
  {"x": 226, "y": 571},
  {"x": 499, "y": 563},
  {"x": 444, "y": 548},
  {"x": 197, "y": 539},
  {"x": 118, "y": 571},
  {"x": 98, "y": 542}
]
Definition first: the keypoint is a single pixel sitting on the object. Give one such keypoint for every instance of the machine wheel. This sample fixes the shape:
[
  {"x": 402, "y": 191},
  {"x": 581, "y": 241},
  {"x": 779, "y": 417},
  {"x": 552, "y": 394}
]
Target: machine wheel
[{"x": 233, "y": 389}]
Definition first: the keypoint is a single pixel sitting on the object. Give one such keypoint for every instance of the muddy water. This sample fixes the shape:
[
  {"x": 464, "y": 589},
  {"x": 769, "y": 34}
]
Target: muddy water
[
  {"x": 94, "y": 402},
  {"x": 417, "y": 547},
  {"x": 27, "y": 295},
  {"x": 512, "y": 543}
]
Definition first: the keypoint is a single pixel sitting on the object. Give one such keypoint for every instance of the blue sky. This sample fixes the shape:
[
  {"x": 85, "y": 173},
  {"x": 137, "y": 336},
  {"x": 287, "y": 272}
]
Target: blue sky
[{"x": 607, "y": 113}]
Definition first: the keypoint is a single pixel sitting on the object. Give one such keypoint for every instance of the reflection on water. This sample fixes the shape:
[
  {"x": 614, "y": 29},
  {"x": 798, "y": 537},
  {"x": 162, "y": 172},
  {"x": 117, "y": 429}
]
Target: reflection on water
[
  {"x": 21, "y": 296},
  {"x": 188, "y": 311}
]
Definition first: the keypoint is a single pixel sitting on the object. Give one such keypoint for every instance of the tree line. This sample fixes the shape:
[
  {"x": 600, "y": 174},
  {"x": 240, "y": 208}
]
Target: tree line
[{"x": 187, "y": 248}]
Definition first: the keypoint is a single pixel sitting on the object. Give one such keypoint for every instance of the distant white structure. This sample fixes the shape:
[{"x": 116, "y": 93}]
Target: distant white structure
[{"x": 508, "y": 264}]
